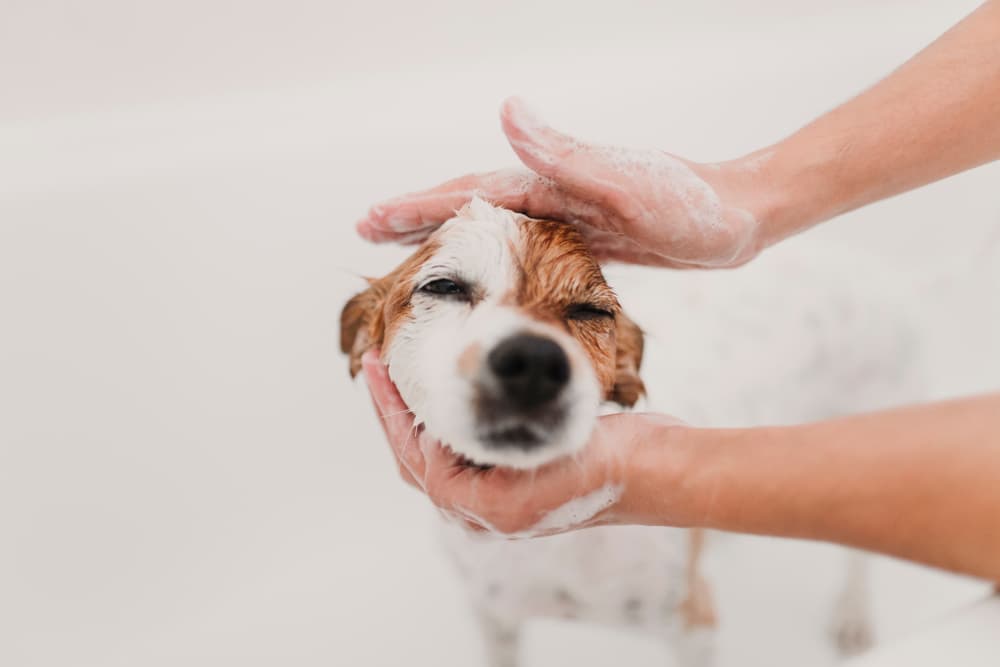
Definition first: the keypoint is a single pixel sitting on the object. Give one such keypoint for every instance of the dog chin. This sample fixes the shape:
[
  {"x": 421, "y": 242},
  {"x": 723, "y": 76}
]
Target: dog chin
[
  {"x": 450, "y": 404},
  {"x": 514, "y": 443},
  {"x": 518, "y": 447}
]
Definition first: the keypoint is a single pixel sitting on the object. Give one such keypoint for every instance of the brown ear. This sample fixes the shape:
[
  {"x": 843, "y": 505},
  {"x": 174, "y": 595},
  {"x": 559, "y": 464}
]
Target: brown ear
[
  {"x": 628, "y": 387},
  {"x": 361, "y": 324}
]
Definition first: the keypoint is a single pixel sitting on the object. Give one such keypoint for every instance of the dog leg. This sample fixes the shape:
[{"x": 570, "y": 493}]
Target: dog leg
[
  {"x": 697, "y": 608},
  {"x": 502, "y": 640},
  {"x": 851, "y": 624},
  {"x": 694, "y": 642}
]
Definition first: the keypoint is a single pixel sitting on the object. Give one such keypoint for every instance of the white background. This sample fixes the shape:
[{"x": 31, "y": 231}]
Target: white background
[{"x": 186, "y": 474}]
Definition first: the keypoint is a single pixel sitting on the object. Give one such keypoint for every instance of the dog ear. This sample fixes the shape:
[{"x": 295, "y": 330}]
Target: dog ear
[
  {"x": 362, "y": 323},
  {"x": 628, "y": 386}
]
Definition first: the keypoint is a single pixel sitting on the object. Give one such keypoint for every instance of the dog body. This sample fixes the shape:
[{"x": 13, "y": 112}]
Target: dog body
[
  {"x": 505, "y": 340},
  {"x": 632, "y": 577}
]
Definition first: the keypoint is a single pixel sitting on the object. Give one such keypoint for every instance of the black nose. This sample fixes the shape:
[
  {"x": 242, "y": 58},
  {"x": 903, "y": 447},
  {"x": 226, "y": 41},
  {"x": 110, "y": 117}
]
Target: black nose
[{"x": 531, "y": 369}]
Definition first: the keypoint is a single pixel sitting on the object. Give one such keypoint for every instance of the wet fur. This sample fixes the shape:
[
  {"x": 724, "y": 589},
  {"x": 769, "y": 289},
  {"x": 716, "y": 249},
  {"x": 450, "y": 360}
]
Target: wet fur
[{"x": 662, "y": 591}]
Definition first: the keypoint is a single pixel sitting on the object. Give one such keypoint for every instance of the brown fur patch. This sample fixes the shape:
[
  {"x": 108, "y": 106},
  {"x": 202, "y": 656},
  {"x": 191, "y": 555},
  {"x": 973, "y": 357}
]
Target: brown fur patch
[
  {"x": 628, "y": 387},
  {"x": 369, "y": 319},
  {"x": 556, "y": 271}
]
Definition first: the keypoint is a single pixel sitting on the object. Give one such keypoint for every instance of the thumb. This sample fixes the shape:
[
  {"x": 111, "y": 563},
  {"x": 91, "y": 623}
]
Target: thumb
[{"x": 542, "y": 149}]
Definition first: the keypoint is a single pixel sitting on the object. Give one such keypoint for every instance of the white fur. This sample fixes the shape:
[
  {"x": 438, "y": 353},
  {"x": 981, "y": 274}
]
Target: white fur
[
  {"x": 800, "y": 334},
  {"x": 423, "y": 357},
  {"x": 793, "y": 336}
]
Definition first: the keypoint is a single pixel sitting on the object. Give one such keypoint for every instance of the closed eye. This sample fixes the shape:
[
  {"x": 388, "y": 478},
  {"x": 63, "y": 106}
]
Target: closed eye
[
  {"x": 444, "y": 287},
  {"x": 588, "y": 311}
]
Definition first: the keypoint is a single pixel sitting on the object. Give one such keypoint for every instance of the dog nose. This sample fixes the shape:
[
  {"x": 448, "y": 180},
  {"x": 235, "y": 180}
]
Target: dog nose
[{"x": 531, "y": 369}]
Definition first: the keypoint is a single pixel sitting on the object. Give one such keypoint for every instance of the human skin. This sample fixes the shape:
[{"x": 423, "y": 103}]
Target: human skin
[
  {"x": 921, "y": 483},
  {"x": 935, "y": 116}
]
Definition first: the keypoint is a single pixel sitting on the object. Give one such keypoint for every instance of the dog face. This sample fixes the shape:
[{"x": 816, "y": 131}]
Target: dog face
[{"x": 501, "y": 335}]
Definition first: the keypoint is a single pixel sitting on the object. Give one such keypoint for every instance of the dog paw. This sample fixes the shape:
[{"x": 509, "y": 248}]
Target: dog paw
[{"x": 851, "y": 630}]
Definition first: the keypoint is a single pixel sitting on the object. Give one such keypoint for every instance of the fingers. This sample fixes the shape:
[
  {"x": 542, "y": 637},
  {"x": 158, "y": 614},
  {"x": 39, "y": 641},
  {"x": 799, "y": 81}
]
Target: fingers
[
  {"x": 610, "y": 246},
  {"x": 505, "y": 501},
  {"x": 553, "y": 154},
  {"x": 404, "y": 238},
  {"x": 419, "y": 457},
  {"x": 539, "y": 146},
  {"x": 557, "y": 165},
  {"x": 413, "y": 217},
  {"x": 395, "y": 417}
]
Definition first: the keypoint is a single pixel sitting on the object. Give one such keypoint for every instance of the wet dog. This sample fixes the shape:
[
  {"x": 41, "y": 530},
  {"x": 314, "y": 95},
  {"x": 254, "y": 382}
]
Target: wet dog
[{"x": 506, "y": 341}]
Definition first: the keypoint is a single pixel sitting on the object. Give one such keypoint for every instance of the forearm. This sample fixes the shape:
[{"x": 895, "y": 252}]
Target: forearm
[
  {"x": 921, "y": 483},
  {"x": 937, "y": 115}
]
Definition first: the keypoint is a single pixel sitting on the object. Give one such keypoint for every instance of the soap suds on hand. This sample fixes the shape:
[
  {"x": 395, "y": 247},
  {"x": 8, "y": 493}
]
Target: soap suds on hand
[
  {"x": 578, "y": 510},
  {"x": 571, "y": 514}
]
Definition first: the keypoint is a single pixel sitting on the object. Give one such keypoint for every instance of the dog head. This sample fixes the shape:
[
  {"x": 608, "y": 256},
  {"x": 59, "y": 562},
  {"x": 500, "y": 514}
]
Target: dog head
[{"x": 501, "y": 335}]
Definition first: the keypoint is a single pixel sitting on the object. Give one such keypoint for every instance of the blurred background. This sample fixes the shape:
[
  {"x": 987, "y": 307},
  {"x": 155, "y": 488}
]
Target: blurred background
[{"x": 187, "y": 475}]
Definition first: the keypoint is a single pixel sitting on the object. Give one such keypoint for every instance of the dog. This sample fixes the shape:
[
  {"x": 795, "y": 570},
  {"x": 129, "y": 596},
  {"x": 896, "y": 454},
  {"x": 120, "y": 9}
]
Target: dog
[{"x": 506, "y": 341}]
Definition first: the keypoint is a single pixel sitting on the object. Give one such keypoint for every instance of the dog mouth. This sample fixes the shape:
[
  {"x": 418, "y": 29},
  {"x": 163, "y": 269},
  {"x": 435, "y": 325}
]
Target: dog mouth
[
  {"x": 501, "y": 425},
  {"x": 519, "y": 436}
]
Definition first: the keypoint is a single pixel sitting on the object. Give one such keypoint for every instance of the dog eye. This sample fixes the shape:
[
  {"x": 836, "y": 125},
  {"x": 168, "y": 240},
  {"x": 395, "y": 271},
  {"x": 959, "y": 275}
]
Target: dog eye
[
  {"x": 444, "y": 287},
  {"x": 587, "y": 311}
]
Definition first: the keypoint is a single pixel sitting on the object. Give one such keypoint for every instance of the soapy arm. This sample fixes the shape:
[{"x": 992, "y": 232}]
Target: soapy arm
[
  {"x": 919, "y": 483},
  {"x": 937, "y": 115}
]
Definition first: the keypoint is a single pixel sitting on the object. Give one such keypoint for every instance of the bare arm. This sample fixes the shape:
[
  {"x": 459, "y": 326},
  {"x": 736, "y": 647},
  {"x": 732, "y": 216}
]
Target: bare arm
[
  {"x": 921, "y": 483},
  {"x": 935, "y": 116}
]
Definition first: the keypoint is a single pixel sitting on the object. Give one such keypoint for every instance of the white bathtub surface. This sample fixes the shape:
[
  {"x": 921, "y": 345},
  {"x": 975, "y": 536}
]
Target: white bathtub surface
[{"x": 186, "y": 474}]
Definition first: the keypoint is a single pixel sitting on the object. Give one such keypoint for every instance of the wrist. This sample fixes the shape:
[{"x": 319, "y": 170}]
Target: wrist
[
  {"x": 786, "y": 188},
  {"x": 670, "y": 475},
  {"x": 737, "y": 481},
  {"x": 726, "y": 479}
]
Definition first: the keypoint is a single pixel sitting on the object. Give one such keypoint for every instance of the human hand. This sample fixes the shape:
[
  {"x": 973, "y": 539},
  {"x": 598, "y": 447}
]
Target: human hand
[
  {"x": 624, "y": 475},
  {"x": 633, "y": 205}
]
